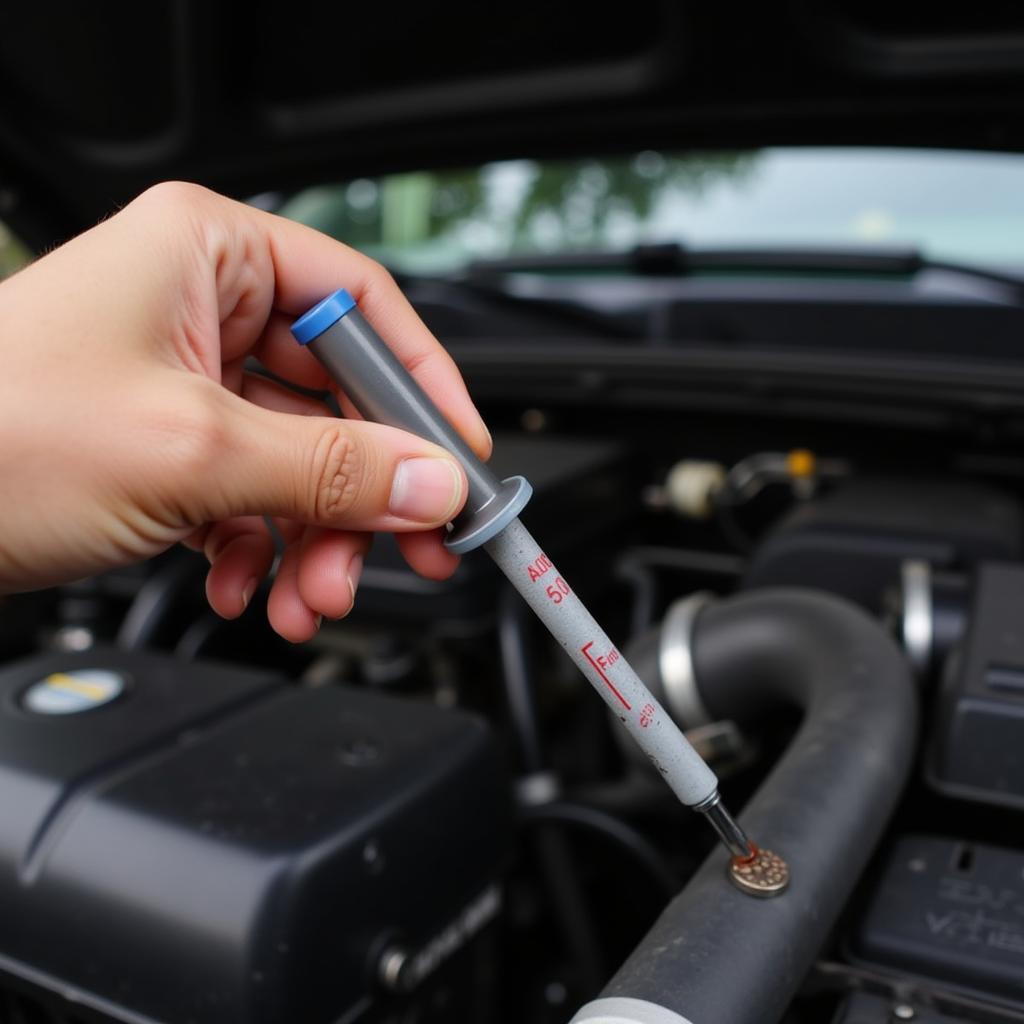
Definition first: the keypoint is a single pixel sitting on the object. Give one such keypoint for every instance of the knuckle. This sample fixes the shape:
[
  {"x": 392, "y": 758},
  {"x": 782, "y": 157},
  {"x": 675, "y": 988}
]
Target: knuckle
[
  {"x": 337, "y": 475},
  {"x": 181, "y": 203},
  {"x": 174, "y": 194},
  {"x": 378, "y": 278}
]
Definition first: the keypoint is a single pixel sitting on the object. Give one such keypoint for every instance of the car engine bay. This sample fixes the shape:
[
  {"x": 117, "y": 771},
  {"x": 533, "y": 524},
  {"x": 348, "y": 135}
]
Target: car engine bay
[{"x": 424, "y": 814}]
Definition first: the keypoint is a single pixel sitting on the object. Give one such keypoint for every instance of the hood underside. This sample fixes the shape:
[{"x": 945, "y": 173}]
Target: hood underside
[{"x": 100, "y": 103}]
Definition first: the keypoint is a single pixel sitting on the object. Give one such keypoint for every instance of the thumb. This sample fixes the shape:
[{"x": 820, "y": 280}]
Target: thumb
[{"x": 329, "y": 472}]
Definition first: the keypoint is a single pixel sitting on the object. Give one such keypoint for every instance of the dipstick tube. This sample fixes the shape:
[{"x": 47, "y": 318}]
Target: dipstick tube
[{"x": 383, "y": 391}]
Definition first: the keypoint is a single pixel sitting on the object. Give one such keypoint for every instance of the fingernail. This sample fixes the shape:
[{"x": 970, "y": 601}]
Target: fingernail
[
  {"x": 250, "y": 589},
  {"x": 426, "y": 490},
  {"x": 490, "y": 440},
  {"x": 355, "y": 570}
]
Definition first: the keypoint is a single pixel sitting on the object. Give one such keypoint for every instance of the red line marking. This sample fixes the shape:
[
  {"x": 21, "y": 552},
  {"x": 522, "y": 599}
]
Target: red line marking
[{"x": 597, "y": 668}]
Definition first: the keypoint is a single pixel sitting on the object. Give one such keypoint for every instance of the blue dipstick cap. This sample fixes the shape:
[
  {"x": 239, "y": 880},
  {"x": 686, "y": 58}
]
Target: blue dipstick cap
[{"x": 324, "y": 314}]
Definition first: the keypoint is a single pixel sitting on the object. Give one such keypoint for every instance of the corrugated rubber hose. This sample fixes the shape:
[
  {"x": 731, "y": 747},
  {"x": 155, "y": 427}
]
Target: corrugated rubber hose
[{"x": 716, "y": 955}]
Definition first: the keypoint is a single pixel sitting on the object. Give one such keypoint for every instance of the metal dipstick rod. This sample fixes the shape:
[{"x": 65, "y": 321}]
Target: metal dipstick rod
[{"x": 383, "y": 391}]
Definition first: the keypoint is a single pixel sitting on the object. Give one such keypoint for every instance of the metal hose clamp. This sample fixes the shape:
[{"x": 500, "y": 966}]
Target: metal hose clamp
[
  {"x": 918, "y": 626},
  {"x": 675, "y": 660}
]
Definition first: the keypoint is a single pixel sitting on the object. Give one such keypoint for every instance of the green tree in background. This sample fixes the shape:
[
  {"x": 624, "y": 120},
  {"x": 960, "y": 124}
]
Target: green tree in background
[
  {"x": 442, "y": 218},
  {"x": 13, "y": 255},
  {"x": 581, "y": 198}
]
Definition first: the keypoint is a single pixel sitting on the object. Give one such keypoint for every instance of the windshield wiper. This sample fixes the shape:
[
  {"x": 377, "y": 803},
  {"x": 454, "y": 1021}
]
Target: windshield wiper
[{"x": 674, "y": 260}]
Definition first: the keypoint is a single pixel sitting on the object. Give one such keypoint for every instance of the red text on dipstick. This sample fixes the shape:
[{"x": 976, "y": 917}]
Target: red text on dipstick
[
  {"x": 538, "y": 567},
  {"x": 601, "y": 663}
]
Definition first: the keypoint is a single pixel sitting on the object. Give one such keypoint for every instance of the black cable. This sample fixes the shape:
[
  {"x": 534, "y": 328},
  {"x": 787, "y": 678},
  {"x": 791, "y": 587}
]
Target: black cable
[
  {"x": 556, "y": 865},
  {"x": 729, "y": 525},
  {"x": 513, "y": 642},
  {"x": 616, "y": 831},
  {"x": 645, "y": 594},
  {"x": 637, "y": 792},
  {"x": 712, "y": 563},
  {"x": 197, "y": 636},
  {"x": 570, "y": 908},
  {"x": 155, "y": 599}
]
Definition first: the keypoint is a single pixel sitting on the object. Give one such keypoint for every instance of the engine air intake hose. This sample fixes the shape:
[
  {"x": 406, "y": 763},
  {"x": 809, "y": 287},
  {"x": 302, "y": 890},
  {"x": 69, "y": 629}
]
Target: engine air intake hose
[{"x": 716, "y": 955}]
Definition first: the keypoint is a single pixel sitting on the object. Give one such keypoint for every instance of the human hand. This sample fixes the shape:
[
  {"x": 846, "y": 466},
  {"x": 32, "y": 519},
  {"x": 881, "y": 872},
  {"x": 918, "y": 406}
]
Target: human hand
[{"x": 128, "y": 422}]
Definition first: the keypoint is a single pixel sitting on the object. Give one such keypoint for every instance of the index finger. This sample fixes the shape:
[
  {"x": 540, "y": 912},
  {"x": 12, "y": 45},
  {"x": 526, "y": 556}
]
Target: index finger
[{"x": 309, "y": 265}]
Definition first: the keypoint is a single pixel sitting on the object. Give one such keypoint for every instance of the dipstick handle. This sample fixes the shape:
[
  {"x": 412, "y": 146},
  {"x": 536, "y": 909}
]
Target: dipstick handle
[{"x": 384, "y": 391}]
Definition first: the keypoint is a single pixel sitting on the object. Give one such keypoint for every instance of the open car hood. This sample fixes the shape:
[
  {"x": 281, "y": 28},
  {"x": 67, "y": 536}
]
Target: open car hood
[{"x": 267, "y": 96}]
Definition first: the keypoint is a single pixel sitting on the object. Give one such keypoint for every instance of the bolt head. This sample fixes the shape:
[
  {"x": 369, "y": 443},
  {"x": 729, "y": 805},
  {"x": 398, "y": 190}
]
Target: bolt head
[{"x": 766, "y": 874}]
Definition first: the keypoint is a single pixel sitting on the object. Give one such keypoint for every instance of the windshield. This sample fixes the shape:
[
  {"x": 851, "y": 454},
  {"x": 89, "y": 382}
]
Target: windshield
[{"x": 961, "y": 206}]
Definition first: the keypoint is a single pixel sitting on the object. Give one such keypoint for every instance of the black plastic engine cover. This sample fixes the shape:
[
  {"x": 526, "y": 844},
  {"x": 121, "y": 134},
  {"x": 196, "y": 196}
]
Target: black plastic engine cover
[
  {"x": 976, "y": 750},
  {"x": 950, "y": 911},
  {"x": 853, "y": 540},
  {"x": 216, "y": 846}
]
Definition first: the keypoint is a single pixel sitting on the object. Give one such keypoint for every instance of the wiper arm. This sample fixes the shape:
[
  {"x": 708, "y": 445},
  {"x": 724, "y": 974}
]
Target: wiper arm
[
  {"x": 672, "y": 260},
  {"x": 577, "y": 318}
]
